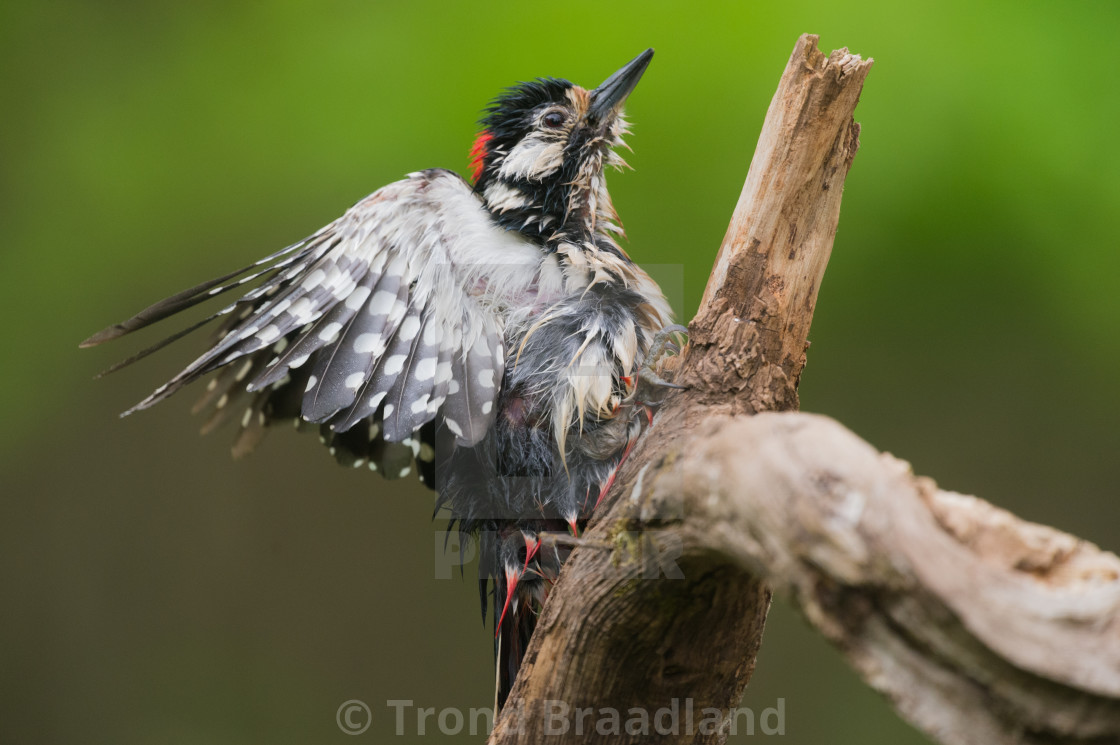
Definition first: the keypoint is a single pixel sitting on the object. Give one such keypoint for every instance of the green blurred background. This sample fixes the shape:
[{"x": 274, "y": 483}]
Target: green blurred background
[{"x": 156, "y": 591}]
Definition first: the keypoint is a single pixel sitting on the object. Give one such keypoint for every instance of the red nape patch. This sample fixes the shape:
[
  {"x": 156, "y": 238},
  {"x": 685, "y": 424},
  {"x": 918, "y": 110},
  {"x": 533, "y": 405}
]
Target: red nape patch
[{"x": 478, "y": 153}]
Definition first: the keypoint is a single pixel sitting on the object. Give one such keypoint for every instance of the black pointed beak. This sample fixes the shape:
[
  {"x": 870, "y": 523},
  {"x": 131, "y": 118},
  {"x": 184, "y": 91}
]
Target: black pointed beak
[{"x": 606, "y": 99}]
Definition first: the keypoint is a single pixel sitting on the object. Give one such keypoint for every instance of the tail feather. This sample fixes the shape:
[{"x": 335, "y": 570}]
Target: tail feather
[
  {"x": 512, "y": 640},
  {"x": 520, "y": 590}
]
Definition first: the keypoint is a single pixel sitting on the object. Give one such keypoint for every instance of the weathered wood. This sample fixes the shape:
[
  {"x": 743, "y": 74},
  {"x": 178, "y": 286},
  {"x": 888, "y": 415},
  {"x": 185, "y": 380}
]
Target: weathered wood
[
  {"x": 635, "y": 621},
  {"x": 980, "y": 628},
  {"x": 748, "y": 340}
]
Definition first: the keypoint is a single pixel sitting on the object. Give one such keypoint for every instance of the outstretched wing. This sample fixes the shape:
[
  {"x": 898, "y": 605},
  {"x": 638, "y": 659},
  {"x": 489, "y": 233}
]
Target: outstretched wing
[{"x": 391, "y": 318}]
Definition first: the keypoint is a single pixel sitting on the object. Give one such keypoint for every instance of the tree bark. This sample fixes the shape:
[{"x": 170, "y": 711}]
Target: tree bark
[
  {"x": 612, "y": 633},
  {"x": 981, "y": 629}
]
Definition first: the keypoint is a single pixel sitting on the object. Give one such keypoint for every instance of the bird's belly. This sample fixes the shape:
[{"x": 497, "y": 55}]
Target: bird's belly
[{"x": 559, "y": 428}]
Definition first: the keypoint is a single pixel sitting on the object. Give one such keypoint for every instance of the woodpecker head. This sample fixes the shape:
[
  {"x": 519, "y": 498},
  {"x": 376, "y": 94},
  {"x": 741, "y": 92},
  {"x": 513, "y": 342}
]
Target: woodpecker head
[{"x": 538, "y": 161}]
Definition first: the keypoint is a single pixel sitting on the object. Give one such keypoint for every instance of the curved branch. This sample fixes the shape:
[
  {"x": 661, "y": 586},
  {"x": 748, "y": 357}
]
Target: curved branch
[{"x": 979, "y": 627}]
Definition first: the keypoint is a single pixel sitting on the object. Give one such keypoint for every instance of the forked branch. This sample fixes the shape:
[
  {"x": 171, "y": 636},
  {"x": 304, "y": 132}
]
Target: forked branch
[{"x": 607, "y": 637}]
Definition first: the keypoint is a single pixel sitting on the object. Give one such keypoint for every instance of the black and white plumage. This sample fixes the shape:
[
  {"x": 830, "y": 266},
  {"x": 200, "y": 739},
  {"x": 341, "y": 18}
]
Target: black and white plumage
[{"x": 489, "y": 336}]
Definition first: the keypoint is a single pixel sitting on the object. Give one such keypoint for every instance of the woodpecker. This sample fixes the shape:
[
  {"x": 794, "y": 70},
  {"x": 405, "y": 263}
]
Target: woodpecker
[{"x": 489, "y": 334}]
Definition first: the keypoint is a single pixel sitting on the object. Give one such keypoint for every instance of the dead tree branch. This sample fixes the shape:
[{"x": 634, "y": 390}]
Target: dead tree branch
[{"x": 979, "y": 628}]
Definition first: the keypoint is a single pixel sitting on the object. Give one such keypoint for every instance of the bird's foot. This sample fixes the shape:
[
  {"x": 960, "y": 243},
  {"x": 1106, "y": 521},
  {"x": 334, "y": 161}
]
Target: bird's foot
[{"x": 649, "y": 388}]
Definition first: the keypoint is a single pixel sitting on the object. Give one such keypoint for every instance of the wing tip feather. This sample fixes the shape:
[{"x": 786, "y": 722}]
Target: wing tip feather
[{"x": 106, "y": 334}]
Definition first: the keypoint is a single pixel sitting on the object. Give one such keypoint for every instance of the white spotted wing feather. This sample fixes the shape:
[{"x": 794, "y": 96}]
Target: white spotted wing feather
[{"x": 396, "y": 309}]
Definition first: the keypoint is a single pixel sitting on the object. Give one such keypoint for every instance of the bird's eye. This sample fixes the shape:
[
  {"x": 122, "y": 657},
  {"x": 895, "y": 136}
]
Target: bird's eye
[{"x": 554, "y": 119}]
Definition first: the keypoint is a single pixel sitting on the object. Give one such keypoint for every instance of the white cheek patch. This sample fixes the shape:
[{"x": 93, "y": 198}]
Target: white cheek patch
[{"x": 533, "y": 158}]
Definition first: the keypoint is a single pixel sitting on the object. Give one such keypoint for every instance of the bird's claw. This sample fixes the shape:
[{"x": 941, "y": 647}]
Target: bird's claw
[
  {"x": 661, "y": 340},
  {"x": 647, "y": 379}
]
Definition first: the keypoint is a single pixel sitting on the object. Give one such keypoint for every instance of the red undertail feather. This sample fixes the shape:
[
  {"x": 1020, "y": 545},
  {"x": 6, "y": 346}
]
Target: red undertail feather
[{"x": 512, "y": 578}]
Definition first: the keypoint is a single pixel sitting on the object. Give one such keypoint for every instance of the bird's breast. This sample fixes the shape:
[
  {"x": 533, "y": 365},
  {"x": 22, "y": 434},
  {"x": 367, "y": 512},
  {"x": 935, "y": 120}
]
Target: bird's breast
[{"x": 569, "y": 363}]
